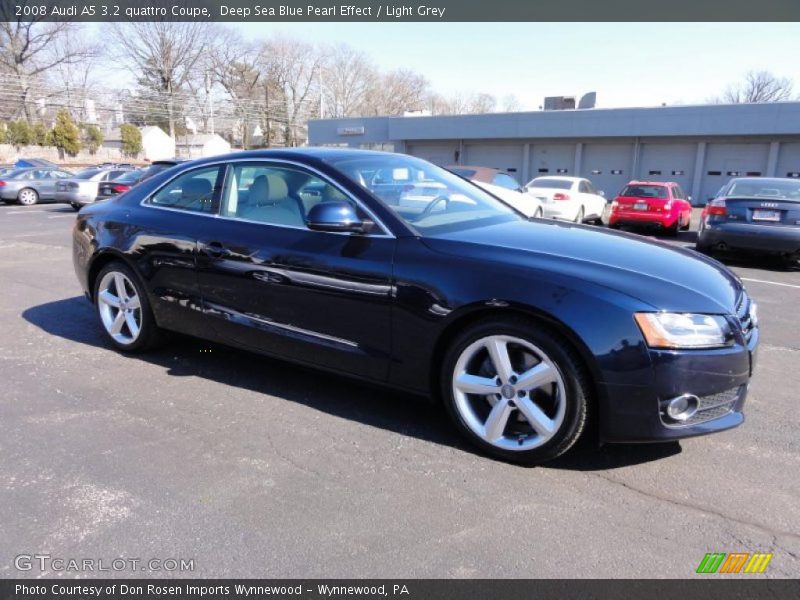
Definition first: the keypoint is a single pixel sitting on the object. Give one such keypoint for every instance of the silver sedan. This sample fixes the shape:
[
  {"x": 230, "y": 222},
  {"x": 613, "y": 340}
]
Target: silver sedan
[
  {"x": 30, "y": 185},
  {"x": 81, "y": 189}
]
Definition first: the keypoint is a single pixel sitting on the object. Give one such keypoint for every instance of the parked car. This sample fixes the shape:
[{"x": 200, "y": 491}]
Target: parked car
[
  {"x": 81, "y": 189},
  {"x": 524, "y": 328},
  {"x": 569, "y": 198},
  {"x": 157, "y": 166},
  {"x": 759, "y": 214},
  {"x": 30, "y": 185},
  {"x": 123, "y": 183},
  {"x": 24, "y": 163},
  {"x": 652, "y": 204},
  {"x": 503, "y": 186}
]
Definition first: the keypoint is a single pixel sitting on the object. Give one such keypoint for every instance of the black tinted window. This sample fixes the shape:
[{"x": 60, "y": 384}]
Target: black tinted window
[{"x": 193, "y": 191}]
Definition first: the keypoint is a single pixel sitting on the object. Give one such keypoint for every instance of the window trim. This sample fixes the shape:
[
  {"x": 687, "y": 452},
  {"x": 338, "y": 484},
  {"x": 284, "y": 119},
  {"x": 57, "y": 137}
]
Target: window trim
[{"x": 227, "y": 164}]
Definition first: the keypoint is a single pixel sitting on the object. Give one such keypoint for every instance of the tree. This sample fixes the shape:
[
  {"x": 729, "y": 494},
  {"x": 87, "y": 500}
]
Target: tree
[
  {"x": 758, "y": 86},
  {"x": 3, "y": 129},
  {"x": 131, "y": 139},
  {"x": 65, "y": 135},
  {"x": 162, "y": 55},
  {"x": 347, "y": 79},
  {"x": 510, "y": 103},
  {"x": 397, "y": 92},
  {"x": 93, "y": 138},
  {"x": 29, "y": 50},
  {"x": 19, "y": 133},
  {"x": 39, "y": 134}
]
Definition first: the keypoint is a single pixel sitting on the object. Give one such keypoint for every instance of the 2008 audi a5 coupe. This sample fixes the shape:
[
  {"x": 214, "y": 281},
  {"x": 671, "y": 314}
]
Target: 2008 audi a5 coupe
[{"x": 528, "y": 330}]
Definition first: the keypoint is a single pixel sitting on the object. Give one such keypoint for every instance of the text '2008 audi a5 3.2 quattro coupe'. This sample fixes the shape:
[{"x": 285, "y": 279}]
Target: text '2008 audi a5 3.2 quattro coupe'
[{"x": 527, "y": 330}]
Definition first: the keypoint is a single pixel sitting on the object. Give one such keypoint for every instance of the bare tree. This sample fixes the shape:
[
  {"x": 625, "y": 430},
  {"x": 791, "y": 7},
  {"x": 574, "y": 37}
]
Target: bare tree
[
  {"x": 295, "y": 67},
  {"x": 162, "y": 55},
  {"x": 462, "y": 104},
  {"x": 758, "y": 86},
  {"x": 30, "y": 50},
  {"x": 347, "y": 79},
  {"x": 510, "y": 103},
  {"x": 397, "y": 92}
]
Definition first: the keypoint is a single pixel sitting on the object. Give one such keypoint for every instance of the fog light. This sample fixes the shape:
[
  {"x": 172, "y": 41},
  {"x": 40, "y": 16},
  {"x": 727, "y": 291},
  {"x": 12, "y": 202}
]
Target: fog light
[{"x": 682, "y": 408}]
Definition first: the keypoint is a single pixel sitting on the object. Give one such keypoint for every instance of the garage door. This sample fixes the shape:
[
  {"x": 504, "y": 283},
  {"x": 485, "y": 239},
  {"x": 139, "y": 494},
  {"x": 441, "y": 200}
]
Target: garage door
[
  {"x": 608, "y": 166},
  {"x": 789, "y": 160},
  {"x": 506, "y": 157},
  {"x": 551, "y": 159},
  {"x": 439, "y": 154},
  {"x": 726, "y": 161},
  {"x": 668, "y": 162}
]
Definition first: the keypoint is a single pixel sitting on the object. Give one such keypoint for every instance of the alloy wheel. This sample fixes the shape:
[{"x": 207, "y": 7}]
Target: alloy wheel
[
  {"x": 28, "y": 197},
  {"x": 509, "y": 393},
  {"x": 120, "y": 307}
]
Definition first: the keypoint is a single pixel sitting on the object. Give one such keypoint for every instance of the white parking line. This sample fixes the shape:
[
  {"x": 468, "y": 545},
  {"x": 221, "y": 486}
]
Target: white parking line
[
  {"x": 62, "y": 216},
  {"x": 772, "y": 282},
  {"x": 25, "y": 212}
]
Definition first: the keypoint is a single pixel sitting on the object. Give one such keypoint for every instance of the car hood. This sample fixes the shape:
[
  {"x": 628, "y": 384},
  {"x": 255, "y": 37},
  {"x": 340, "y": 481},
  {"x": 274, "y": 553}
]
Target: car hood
[{"x": 663, "y": 276}]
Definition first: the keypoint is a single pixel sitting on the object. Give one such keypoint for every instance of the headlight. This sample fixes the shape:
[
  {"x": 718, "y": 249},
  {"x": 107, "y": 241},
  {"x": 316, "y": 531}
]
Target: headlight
[{"x": 677, "y": 330}]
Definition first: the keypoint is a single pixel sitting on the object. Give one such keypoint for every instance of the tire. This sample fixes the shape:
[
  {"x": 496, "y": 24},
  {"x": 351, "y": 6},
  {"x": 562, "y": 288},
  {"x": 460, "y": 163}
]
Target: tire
[
  {"x": 672, "y": 231},
  {"x": 107, "y": 296},
  {"x": 559, "y": 403},
  {"x": 579, "y": 216},
  {"x": 539, "y": 214},
  {"x": 75, "y": 206},
  {"x": 28, "y": 197},
  {"x": 688, "y": 225}
]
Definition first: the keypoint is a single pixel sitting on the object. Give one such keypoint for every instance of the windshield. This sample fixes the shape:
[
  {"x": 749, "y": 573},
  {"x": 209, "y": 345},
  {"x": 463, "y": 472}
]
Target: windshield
[
  {"x": 546, "y": 182},
  {"x": 87, "y": 174},
  {"x": 645, "y": 191},
  {"x": 765, "y": 189},
  {"x": 428, "y": 198}
]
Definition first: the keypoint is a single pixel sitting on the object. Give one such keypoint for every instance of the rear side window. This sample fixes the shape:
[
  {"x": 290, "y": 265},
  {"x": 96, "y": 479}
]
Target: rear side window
[
  {"x": 194, "y": 191},
  {"x": 505, "y": 181}
]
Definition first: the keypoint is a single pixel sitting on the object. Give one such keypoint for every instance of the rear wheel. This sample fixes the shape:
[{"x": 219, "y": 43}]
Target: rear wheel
[
  {"x": 124, "y": 310},
  {"x": 579, "y": 216},
  {"x": 28, "y": 197},
  {"x": 539, "y": 213},
  {"x": 75, "y": 206},
  {"x": 672, "y": 230},
  {"x": 515, "y": 390},
  {"x": 688, "y": 225}
]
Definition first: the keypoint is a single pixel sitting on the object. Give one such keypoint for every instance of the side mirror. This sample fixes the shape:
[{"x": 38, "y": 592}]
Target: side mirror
[
  {"x": 523, "y": 189},
  {"x": 602, "y": 193},
  {"x": 689, "y": 199},
  {"x": 336, "y": 217}
]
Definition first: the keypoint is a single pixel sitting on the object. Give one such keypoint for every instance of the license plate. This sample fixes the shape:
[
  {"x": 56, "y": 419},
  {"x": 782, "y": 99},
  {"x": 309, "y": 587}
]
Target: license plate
[
  {"x": 640, "y": 206},
  {"x": 766, "y": 215}
]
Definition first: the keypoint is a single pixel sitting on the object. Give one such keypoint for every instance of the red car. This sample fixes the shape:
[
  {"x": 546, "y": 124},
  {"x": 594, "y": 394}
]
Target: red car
[{"x": 652, "y": 203}]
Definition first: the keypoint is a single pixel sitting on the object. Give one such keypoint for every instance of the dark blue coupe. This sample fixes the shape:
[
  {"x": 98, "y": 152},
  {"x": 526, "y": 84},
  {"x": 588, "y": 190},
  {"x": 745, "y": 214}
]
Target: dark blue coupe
[{"x": 390, "y": 269}]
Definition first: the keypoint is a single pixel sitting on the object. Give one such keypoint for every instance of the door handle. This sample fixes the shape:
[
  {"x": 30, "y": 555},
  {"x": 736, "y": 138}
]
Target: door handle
[{"x": 216, "y": 250}]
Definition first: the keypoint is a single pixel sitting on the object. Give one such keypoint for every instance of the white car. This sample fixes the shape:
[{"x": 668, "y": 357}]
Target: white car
[
  {"x": 524, "y": 203},
  {"x": 503, "y": 186},
  {"x": 569, "y": 198}
]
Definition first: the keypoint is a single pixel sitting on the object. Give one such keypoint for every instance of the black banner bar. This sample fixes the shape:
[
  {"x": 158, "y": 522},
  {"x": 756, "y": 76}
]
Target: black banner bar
[
  {"x": 706, "y": 587},
  {"x": 400, "y": 10}
]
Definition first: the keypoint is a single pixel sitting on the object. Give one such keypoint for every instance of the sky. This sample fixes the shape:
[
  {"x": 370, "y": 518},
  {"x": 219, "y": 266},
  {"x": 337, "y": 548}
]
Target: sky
[{"x": 627, "y": 64}]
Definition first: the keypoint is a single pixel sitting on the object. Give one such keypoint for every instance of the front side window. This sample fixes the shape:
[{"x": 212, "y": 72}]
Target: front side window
[
  {"x": 275, "y": 194},
  {"x": 428, "y": 198},
  {"x": 193, "y": 191}
]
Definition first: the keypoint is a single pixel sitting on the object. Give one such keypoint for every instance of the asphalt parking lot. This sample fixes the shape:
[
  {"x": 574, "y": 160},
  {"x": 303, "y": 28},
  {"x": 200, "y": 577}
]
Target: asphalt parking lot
[{"x": 252, "y": 467}]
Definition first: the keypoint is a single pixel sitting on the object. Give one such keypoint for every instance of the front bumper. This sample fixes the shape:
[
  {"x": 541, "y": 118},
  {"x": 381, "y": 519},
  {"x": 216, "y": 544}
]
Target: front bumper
[
  {"x": 720, "y": 378},
  {"x": 746, "y": 236}
]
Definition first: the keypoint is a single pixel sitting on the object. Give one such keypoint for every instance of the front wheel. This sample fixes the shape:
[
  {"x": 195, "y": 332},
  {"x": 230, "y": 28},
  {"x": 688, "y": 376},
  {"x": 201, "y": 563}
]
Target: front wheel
[
  {"x": 28, "y": 197},
  {"x": 124, "y": 310},
  {"x": 515, "y": 390},
  {"x": 75, "y": 206}
]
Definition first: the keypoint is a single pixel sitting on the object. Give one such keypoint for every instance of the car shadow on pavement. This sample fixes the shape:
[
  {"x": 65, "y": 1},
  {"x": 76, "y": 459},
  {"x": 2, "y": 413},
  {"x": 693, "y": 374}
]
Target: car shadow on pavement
[{"x": 74, "y": 319}]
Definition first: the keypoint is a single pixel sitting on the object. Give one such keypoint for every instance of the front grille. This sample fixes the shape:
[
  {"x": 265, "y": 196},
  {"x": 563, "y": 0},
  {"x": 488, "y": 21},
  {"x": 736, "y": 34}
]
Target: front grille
[
  {"x": 711, "y": 407},
  {"x": 744, "y": 315}
]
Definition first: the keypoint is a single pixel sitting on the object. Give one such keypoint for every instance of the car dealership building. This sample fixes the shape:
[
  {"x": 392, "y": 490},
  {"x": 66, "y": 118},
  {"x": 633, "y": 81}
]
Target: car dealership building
[{"x": 700, "y": 147}]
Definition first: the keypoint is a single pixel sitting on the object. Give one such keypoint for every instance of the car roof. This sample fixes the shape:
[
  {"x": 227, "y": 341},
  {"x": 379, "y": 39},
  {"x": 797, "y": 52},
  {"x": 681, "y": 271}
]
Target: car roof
[
  {"x": 485, "y": 174},
  {"x": 766, "y": 179},
  {"x": 661, "y": 183}
]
